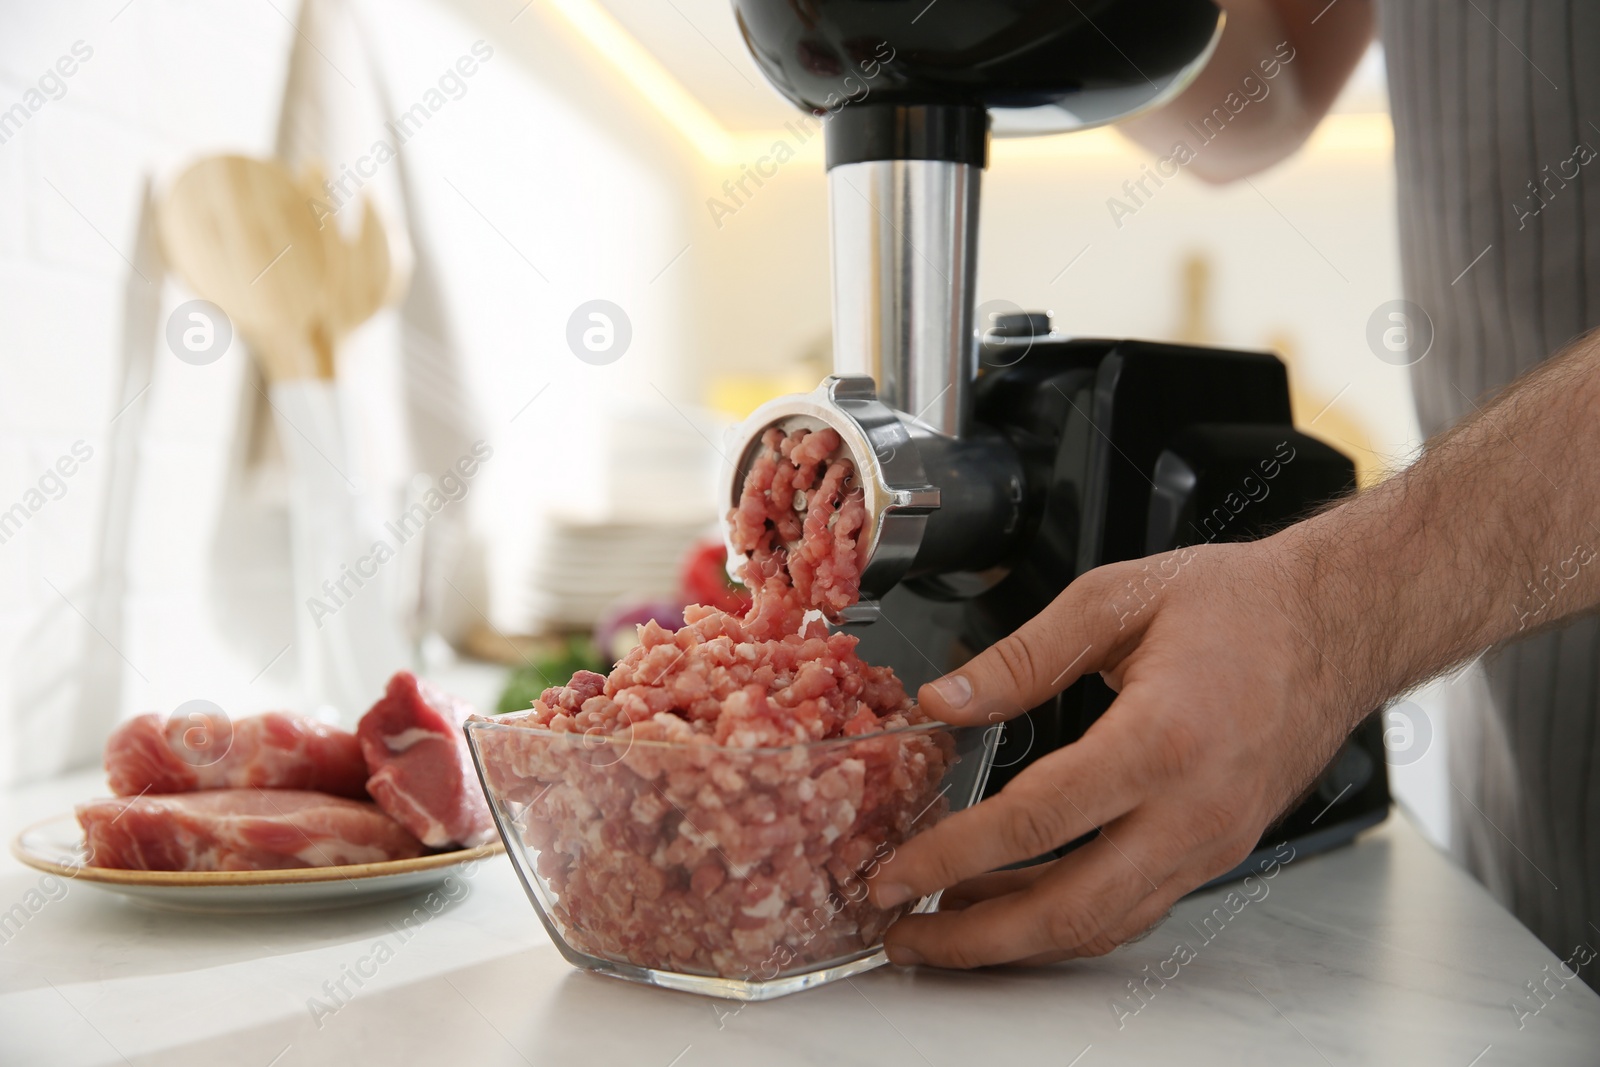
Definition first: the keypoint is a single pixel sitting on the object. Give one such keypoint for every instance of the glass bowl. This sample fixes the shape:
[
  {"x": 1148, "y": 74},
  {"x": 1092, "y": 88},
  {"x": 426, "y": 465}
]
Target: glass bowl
[{"x": 733, "y": 872}]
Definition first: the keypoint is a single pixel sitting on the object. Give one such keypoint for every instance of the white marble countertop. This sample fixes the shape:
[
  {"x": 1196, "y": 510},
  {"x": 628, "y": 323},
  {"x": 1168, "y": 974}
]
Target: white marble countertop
[{"x": 1379, "y": 953}]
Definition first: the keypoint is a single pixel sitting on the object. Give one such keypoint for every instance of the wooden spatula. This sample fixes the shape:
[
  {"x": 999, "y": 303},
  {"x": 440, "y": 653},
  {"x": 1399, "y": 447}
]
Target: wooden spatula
[
  {"x": 360, "y": 276},
  {"x": 242, "y": 234}
]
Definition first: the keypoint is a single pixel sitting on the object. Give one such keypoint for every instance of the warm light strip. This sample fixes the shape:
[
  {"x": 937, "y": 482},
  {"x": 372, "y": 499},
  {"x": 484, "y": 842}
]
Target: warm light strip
[
  {"x": 1348, "y": 135},
  {"x": 1365, "y": 136},
  {"x": 645, "y": 73}
]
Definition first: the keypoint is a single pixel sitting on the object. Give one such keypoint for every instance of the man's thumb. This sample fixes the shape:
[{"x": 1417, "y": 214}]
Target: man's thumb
[{"x": 1082, "y": 631}]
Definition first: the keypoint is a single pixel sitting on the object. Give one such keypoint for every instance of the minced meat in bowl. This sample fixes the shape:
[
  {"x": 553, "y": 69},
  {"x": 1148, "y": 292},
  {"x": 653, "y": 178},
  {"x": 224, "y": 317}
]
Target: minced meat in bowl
[
  {"x": 738, "y": 872},
  {"x": 707, "y": 815}
]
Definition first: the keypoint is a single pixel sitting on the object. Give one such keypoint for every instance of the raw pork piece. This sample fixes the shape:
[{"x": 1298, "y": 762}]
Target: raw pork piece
[
  {"x": 421, "y": 768},
  {"x": 239, "y": 830},
  {"x": 273, "y": 750},
  {"x": 728, "y": 853}
]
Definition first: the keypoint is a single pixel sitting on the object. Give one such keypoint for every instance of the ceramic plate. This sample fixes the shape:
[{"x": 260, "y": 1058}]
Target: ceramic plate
[{"x": 56, "y": 846}]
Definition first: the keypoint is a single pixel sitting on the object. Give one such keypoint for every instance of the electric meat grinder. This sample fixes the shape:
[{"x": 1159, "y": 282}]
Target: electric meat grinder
[{"x": 1001, "y": 459}]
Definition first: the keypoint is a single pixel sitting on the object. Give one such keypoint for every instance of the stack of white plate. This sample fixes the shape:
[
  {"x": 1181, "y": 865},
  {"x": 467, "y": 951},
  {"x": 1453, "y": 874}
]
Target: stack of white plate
[
  {"x": 634, "y": 487},
  {"x": 581, "y": 568}
]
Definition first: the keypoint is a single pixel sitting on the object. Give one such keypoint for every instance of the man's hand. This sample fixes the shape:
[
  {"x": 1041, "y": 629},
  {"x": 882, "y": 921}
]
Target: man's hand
[
  {"x": 1225, "y": 712},
  {"x": 1239, "y": 669}
]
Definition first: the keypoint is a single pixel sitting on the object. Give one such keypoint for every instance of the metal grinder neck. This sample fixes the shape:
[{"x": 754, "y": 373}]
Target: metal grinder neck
[{"x": 903, "y": 186}]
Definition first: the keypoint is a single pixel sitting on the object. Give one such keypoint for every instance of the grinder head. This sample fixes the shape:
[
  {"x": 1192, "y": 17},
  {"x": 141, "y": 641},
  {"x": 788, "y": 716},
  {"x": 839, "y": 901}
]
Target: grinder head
[
  {"x": 888, "y": 470},
  {"x": 944, "y": 511}
]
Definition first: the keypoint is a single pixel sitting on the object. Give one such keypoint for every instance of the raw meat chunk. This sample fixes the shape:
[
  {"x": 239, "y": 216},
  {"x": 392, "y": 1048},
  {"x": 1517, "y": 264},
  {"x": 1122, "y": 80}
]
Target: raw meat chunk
[
  {"x": 421, "y": 769},
  {"x": 239, "y": 830},
  {"x": 273, "y": 750}
]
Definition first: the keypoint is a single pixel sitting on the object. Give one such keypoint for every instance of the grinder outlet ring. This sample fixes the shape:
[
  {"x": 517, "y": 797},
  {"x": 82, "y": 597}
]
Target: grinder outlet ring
[{"x": 888, "y": 468}]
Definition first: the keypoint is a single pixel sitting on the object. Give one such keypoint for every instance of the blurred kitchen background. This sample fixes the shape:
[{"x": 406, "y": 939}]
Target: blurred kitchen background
[{"x": 555, "y": 153}]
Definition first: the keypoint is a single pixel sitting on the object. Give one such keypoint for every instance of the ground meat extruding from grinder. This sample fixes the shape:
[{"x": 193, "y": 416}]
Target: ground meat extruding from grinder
[
  {"x": 720, "y": 855},
  {"x": 799, "y": 523}
]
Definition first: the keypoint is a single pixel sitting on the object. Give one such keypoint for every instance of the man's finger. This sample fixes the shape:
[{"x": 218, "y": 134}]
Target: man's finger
[
  {"x": 1141, "y": 919},
  {"x": 1058, "y": 798},
  {"x": 1083, "y": 894},
  {"x": 1151, "y": 912},
  {"x": 995, "y": 884},
  {"x": 1084, "y": 630}
]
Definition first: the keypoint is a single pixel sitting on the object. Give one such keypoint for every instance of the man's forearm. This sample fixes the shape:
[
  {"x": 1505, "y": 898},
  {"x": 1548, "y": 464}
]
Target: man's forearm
[
  {"x": 1494, "y": 531},
  {"x": 1310, "y": 57}
]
